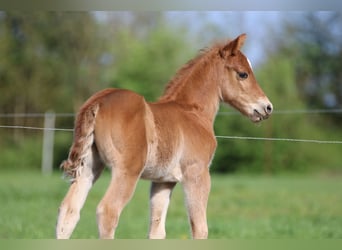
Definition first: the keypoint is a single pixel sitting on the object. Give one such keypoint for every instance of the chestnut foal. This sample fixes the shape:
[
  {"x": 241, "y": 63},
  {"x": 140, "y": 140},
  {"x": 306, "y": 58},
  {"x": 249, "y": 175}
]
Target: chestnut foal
[{"x": 169, "y": 141}]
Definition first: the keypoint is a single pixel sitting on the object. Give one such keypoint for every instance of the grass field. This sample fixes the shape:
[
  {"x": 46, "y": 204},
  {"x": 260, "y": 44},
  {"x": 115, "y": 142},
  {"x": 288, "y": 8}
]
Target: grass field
[{"x": 240, "y": 207}]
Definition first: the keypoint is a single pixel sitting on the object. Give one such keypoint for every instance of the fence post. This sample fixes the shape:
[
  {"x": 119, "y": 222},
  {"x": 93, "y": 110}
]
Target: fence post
[{"x": 48, "y": 142}]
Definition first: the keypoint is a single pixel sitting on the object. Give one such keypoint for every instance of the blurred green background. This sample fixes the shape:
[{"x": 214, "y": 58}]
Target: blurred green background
[{"x": 53, "y": 61}]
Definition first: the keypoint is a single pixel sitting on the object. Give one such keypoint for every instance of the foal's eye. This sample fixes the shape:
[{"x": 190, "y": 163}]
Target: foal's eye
[{"x": 243, "y": 75}]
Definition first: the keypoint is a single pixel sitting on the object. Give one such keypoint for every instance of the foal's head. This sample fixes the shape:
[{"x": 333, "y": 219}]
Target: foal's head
[{"x": 239, "y": 87}]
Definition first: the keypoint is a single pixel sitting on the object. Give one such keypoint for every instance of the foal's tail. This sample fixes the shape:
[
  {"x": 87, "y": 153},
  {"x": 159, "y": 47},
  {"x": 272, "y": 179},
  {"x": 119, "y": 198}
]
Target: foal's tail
[{"x": 83, "y": 140}]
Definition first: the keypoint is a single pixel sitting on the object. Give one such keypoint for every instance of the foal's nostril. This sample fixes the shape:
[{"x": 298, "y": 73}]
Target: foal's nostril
[{"x": 269, "y": 109}]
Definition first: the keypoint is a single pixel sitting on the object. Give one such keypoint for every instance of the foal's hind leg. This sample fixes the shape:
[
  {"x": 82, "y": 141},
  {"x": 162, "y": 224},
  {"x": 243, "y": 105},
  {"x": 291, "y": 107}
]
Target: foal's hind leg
[
  {"x": 124, "y": 179},
  {"x": 118, "y": 194},
  {"x": 159, "y": 202},
  {"x": 69, "y": 210}
]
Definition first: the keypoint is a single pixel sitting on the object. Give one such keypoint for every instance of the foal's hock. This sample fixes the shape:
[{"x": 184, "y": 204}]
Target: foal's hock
[{"x": 168, "y": 141}]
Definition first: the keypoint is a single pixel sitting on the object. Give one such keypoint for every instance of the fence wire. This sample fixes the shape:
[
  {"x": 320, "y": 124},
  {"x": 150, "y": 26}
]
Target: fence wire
[
  {"x": 293, "y": 112},
  {"x": 37, "y": 128},
  {"x": 277, "y": 139},
  {"x": 224, "y": 113},
  {"x": 287, "y": 112},
  {"x": 34, "y": 115},
  {"x": 217, "y": 136}
]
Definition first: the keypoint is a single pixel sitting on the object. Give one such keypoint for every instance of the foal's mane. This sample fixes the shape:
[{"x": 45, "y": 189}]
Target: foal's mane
[{"x": 176, "y": 84}]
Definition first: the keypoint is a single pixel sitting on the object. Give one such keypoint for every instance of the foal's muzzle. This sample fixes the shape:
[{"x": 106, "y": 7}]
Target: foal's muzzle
[{"x": 261, "y": 112}]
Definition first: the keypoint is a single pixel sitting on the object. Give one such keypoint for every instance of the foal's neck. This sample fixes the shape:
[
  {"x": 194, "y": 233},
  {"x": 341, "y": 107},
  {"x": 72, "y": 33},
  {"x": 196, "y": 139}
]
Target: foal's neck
[{"x": 196, "y": 89}]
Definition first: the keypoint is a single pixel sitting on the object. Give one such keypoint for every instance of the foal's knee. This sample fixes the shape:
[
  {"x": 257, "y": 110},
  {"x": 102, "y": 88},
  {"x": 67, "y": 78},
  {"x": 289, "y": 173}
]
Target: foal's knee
[{"x": 100, "y": 213}]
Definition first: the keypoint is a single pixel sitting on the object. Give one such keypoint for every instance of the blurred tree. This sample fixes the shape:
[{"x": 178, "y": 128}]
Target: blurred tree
[
  {"x": 315, "y": 45},
  {"x": 145, "y": 58},
  {"x": 49, "y": 62}
]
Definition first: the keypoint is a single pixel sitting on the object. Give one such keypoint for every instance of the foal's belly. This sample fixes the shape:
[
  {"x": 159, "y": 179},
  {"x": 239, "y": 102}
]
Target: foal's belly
[
  {"x": 162, "y": 173},
  {"x": 163, "y": 167}
]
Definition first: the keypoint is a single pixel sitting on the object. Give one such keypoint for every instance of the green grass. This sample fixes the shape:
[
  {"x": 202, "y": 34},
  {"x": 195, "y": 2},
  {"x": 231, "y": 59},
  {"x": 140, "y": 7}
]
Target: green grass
[{"x": 240, "y": 207}]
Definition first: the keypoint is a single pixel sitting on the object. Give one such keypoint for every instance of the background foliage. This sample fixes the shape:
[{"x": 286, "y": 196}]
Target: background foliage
[{"x": 55, "y": 61}]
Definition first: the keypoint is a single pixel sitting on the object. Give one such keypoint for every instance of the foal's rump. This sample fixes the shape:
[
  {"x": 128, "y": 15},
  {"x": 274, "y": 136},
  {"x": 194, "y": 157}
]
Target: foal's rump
[
  {"x": 120, "y": 131},
  {"x": 109, "y": 122}
]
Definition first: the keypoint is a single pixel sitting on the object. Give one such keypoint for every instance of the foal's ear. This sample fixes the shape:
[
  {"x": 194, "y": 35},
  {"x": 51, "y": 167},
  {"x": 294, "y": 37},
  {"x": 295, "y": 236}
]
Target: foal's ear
[{"x": 232, "y": 47}]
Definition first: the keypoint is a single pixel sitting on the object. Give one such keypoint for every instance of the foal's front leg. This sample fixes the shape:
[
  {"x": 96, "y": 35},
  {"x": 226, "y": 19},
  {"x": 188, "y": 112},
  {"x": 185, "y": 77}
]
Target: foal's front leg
[
  {"x": 159, "y": 202},
  {"x": 196, "y": 189}
]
